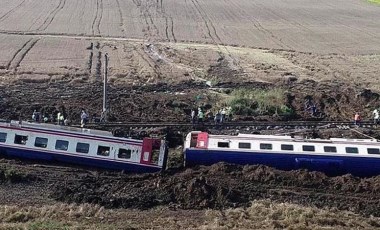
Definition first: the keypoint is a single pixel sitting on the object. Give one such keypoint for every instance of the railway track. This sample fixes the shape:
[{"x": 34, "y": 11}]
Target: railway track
[{"x": 229, "y": 125}]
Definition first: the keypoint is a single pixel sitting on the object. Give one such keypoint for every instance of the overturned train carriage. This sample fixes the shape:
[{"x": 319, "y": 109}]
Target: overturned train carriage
[
  {"x": 335, "y": 156},
  {"x": 81, "y": 146}
]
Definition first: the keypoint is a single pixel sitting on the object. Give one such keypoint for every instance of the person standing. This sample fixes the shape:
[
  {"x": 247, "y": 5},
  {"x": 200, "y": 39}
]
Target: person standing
[
  {"x": 59, "y": 118},
  {"x": 46, "y": 119},
  {"x": 223, "y": 112},
  {"x": 357, "y": 119},
  {"x": 193, "y": 116},
  {"x": 200, "y": 116},
  {"x": 83, "y": 118},
  {"x": 376, "y": 116},
  {"x": 34, "y": 116}
]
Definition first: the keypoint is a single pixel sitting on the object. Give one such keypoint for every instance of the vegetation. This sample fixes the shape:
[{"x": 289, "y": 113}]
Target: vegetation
[
  {"x": 11, "y": 175},
  {"x": 262, "y": 214},
  {"x": 265, "y": 214},
  {"x": 49, "y": 224},
  {"x": 259, "y": 102},
  {"x": 374, "y": 1}
]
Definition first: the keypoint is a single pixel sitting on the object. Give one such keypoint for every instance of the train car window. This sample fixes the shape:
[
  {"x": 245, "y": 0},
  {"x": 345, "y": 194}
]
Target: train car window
[
  {"x": 124, "y": 153},
  {"x": 352, "y": 150},
  {"x": 61, "y": 145},
  {"x": 82, "y": 147},
  {"x": 373, "y": 151},
  {"x": 329, "y": 149},
  {"x": 287, "y": 147},
  {"x": 103, "y": 150},
  {"x": 223, "y": 144},
  {"x": 265, "y": 146},
  {"x": 41, "y": 142},
  {"x": 3, "y": 137},
  {"x": 244, "y": 145},
  {"x": 20, "y": 140},
  {"x": 308, "y": 148}
]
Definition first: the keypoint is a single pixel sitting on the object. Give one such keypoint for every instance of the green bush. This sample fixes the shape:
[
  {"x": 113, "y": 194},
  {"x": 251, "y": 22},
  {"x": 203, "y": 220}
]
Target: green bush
[
  {"x": 374, "y": 1},
  {"x": 259, "y": 102},
  {"x": 11, "y": 175}
]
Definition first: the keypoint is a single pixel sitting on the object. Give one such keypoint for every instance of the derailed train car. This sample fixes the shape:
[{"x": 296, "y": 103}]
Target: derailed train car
[
  {"x": 335, "y": 156},
  {"x": 81, "y": 146}
]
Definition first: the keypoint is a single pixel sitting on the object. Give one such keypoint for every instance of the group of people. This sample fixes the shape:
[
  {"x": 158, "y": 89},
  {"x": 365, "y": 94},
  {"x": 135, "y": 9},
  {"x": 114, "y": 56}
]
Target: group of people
[
  {"x": 198, "y": 116},
  {"x": 310, "y": 107},
  {"x": 60, "y": 118},
  {"x": 375, "y": 114}
]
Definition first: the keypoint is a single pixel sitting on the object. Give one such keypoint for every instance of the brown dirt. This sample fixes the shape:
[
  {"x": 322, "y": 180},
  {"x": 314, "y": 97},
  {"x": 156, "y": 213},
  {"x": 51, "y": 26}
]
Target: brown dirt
[
  {"x": 162, "y": 53},
  {"x": 163, "y": 102},
  {"x": 219, "y": 186}
]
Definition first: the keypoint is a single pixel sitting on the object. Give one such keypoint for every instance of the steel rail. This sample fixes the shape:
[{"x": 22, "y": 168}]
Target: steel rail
[{"x": 234, "y": 124}]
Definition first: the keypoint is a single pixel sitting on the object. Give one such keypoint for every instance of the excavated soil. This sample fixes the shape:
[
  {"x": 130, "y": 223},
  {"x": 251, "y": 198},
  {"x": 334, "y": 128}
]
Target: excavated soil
[
  {"x": 219, "y": 186},
  {"x": 165, "y": 58},
  {"x": 182, "y": 190},
  {"x": 173, "y": 103}
]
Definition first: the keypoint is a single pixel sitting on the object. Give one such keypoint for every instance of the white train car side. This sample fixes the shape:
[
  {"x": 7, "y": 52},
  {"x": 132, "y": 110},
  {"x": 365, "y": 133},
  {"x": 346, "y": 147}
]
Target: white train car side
[
  {"x": 81, "y": 146},
  {"x": 335, "y": 156}
]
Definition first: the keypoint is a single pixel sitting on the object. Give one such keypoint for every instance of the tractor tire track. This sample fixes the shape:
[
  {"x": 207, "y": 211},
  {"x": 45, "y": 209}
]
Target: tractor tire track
[
  {"x": 209, "y": 24},
  {"x": 213, "y": 33},
  {"x": 98, "y": 18},
  {"x": 7, "y": 14},
  {"x": 172, "y": 29},
  {"x": 169, "y": 23},
  {"x": 121, "y": 18},
  {"x": 151, "y": 31},
  {"x": 153, "y": 66},
  {"x": 17, "y": 52},
  {"x": 257, "y": 25},
  {"x": 51, "y": 16},
  {"x": 20, "y": 54},
  {"x": 265, "y": 31},
  {"x": 148, "y": 15},
  {"x": 167, "y": 29}
]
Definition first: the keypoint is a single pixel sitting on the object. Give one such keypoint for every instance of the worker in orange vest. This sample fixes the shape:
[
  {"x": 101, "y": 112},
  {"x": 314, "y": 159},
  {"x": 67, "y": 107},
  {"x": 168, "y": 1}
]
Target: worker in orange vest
[{"x": 357, "y": 119}]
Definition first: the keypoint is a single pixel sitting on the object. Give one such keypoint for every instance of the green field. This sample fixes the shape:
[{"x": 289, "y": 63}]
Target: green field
[{"x": 374, "y": 1}]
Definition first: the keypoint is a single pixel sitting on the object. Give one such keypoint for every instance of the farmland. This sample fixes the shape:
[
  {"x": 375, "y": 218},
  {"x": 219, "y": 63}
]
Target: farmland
[
  {"x": 166, "y": 57},
  {"x": 158, "y": 41}
]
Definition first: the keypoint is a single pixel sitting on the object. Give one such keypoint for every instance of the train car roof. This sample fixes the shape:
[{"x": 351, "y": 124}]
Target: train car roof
[
  {"x": 59, "y": 128},
  {"x": 294, "y": 139},
  {"x": 66, "y": 128}
]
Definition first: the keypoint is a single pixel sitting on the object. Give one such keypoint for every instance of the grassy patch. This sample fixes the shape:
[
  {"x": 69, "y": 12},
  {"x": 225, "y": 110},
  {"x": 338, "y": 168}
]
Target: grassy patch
[
  {"x": 374, "y": 1},
  {"x": 259, "y": 102},
  {"x": 18, "y": 217},
  {"x": 11, "y": 175},
  {"x": 50, "y": 224},
  {"x": 266, "y": 214}
]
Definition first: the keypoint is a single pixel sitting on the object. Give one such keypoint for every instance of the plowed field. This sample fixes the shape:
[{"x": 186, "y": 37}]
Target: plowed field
[
  {"x": 323, "y": 26},
  {"x": 161, "y": 55}
]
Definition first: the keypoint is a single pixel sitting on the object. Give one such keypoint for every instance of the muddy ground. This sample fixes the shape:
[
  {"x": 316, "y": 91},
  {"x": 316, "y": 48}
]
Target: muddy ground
[
  {"x": 173, "y": 103},
  {"x": 33, "y": 189},
  {"x": 222, "y": 187},
  {"x": 167, "y": 57}
]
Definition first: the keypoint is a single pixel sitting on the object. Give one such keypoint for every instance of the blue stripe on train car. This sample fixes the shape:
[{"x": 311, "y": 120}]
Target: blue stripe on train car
[
  {"x": 331, "y": 165},
  {"x": 78, "y": 160}
]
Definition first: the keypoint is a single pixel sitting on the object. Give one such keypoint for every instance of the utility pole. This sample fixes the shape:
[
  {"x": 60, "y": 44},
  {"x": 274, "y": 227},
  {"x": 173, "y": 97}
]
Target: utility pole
[{"x": 105, "y": 108}]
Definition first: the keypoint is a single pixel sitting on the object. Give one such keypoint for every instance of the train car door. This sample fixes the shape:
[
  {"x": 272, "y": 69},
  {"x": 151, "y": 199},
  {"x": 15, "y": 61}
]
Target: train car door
[
  {"x": 202, "y": 140},
  {"x": 146, "y": 153}
]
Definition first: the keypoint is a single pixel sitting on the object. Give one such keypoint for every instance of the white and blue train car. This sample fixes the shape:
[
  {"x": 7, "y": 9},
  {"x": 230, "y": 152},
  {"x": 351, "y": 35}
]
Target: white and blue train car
[
  {"x": 335, "y": 156},
  {"x": 81, "y": 146}
]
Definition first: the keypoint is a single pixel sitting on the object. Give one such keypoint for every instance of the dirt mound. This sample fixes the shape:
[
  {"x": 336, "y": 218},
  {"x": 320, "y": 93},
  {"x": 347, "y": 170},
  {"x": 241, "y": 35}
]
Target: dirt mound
[
  {"x": 12, "y": 176},
  {"x": 221, "y": 186}
]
